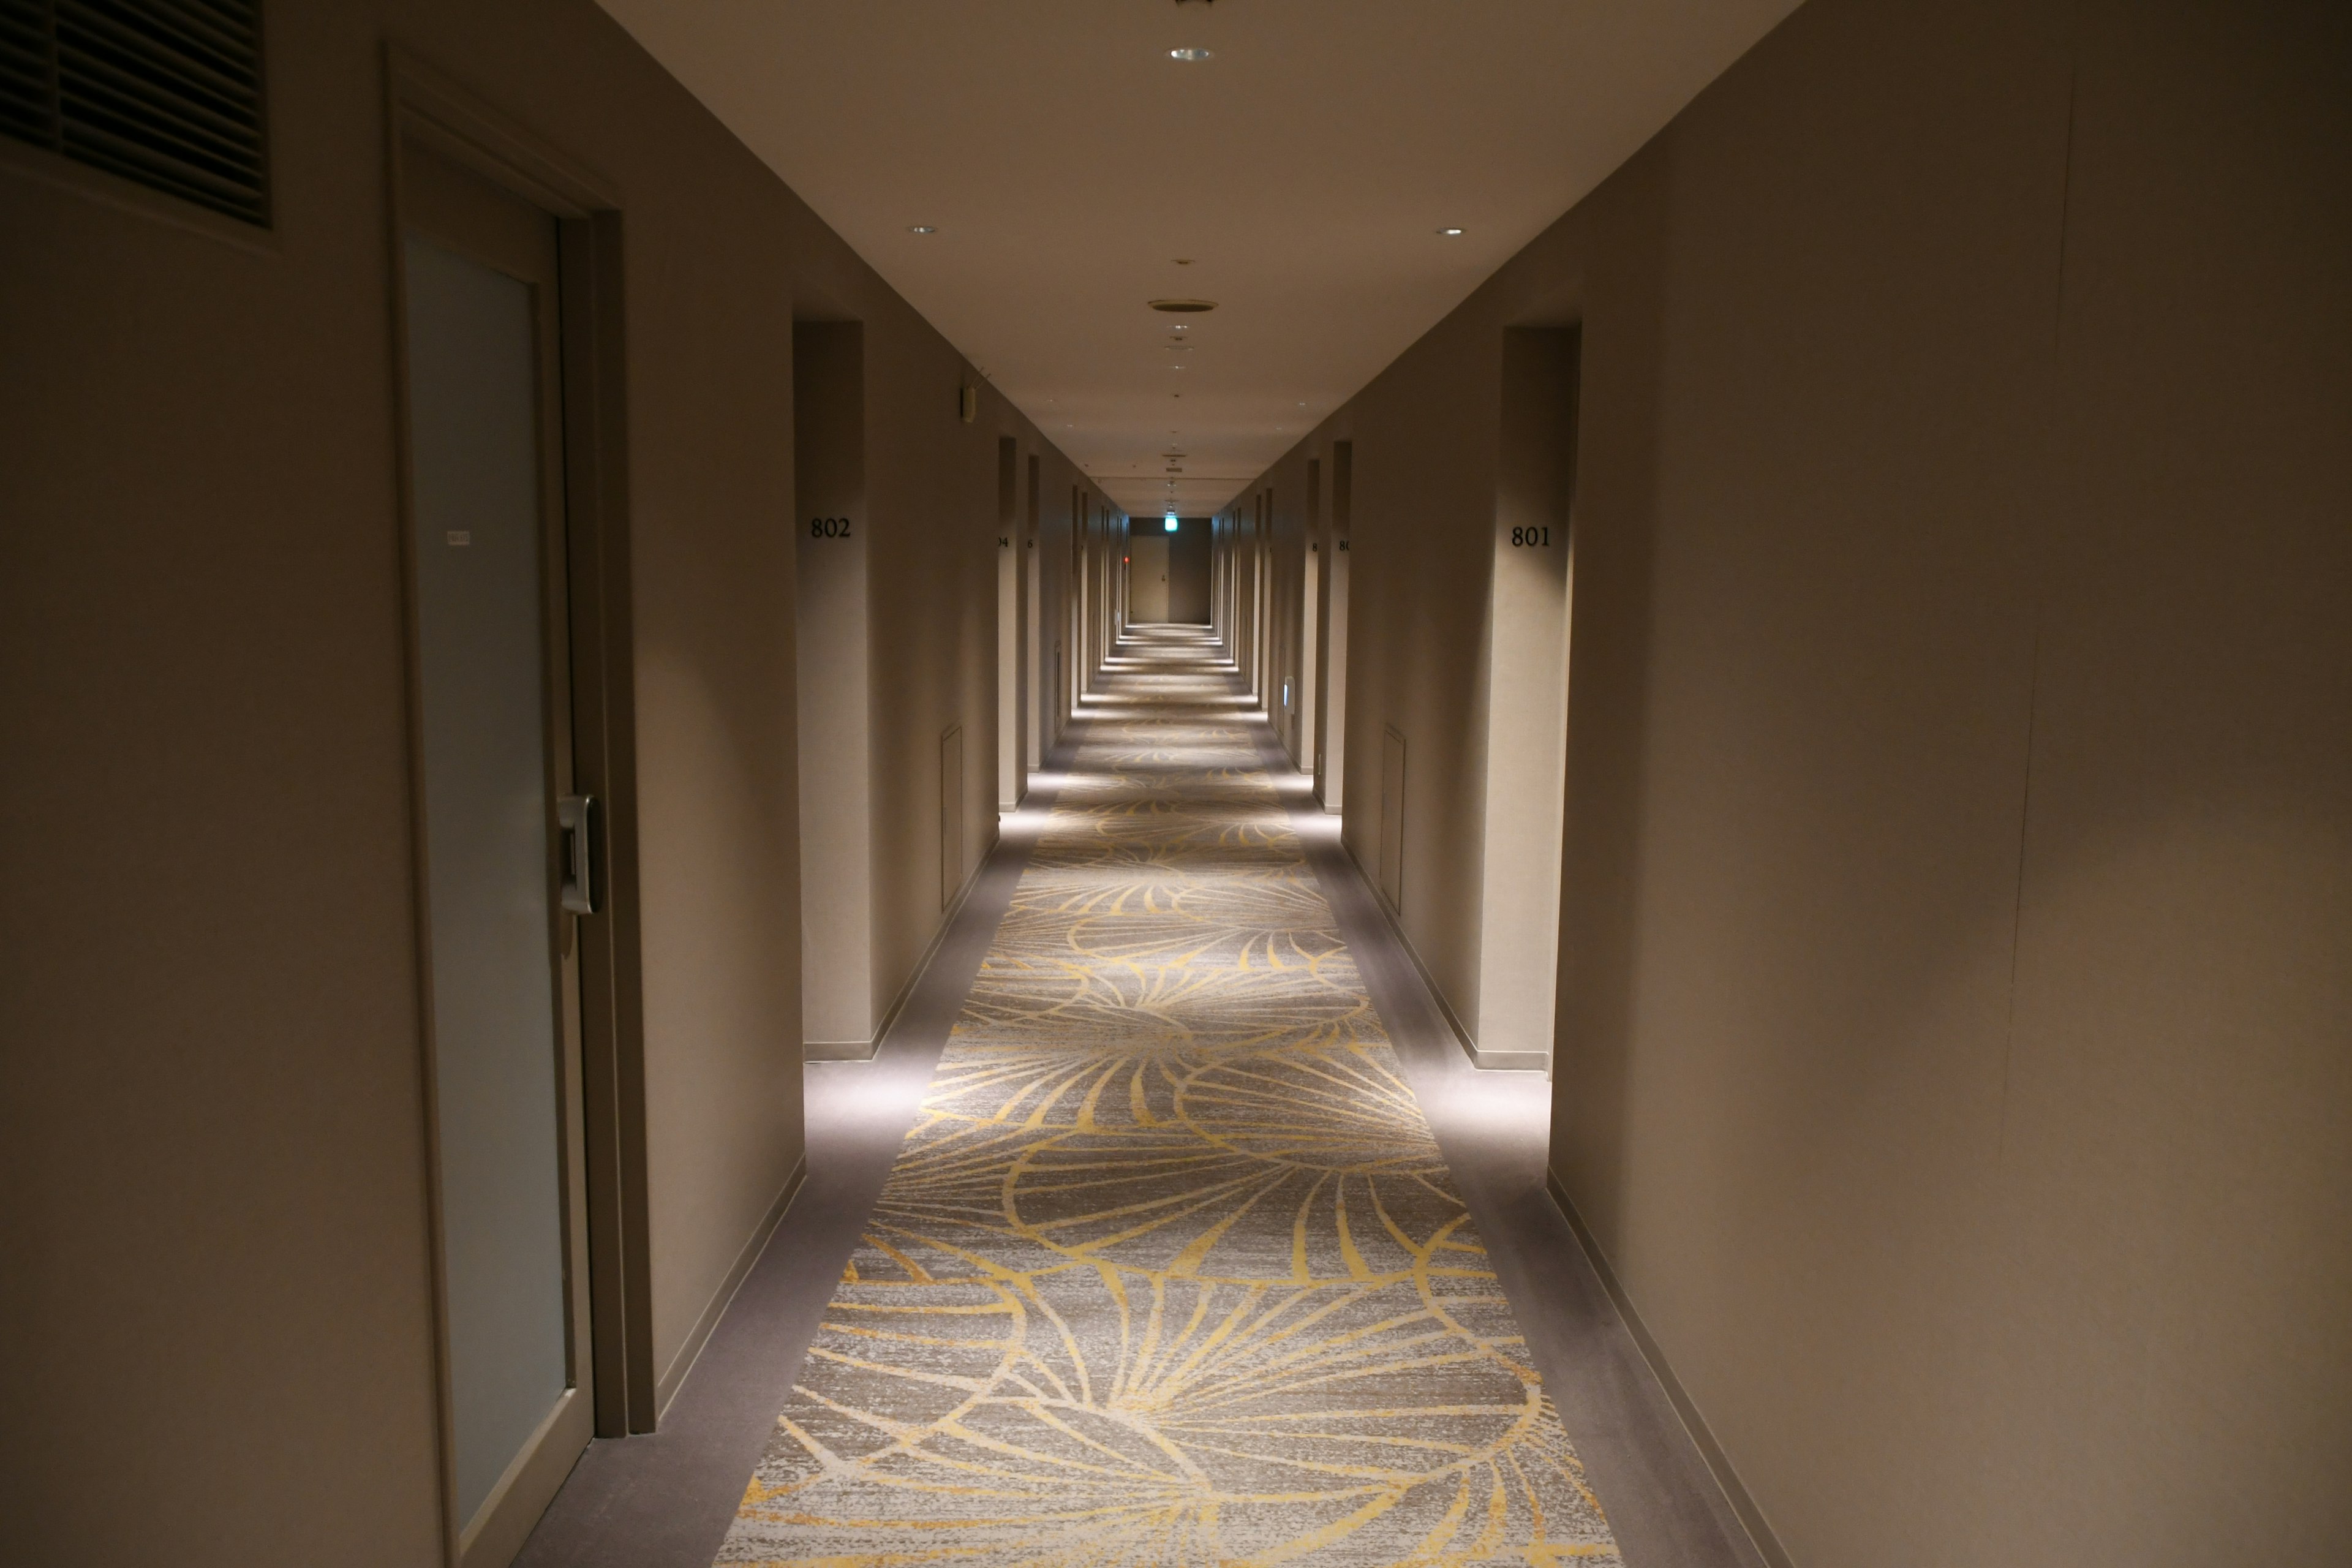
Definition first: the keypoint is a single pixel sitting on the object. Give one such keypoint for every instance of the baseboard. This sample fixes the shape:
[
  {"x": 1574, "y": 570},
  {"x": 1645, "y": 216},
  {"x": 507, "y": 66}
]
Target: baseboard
[
  {"x": 864, "y": 1050},
  {"x": 1485, "y": 1060},
  {"x": 938, "y": 940},
  {"x": 680, "y": 1365},
  {"x": 1718, "y": 1463}
]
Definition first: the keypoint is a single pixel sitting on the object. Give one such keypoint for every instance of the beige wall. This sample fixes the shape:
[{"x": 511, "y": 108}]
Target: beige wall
[
  {"x": 833, "y": 688},
  {"x": 211, "y": 1116},
  {"x": 1286, "y": 525},
  {"x": 932, "y": 636},
  {"x": 1331, "y": 662},
  {"x": 1953, "y": 1042},
  {"x": 1526, "y": 699},
  {"x": 709, "y": 348},
  {"x": 1423, "y": 513},
  {"x": 930, "y": 654}
]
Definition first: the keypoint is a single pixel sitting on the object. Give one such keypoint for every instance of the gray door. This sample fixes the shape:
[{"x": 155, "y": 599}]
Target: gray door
[
  {"x": 950, "y": 815},
  {"x": 1392, "y": 819},
  {"x": 504, "y": 998},
  {"x": 1146, "y": 577}
]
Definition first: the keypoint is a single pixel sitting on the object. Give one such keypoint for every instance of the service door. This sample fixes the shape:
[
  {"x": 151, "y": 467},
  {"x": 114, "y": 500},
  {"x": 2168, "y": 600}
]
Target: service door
[{"x": 1146, "y": 579}]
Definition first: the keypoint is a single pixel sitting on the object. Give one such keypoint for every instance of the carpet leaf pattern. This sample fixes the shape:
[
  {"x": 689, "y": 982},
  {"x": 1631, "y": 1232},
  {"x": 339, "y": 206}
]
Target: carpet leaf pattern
[{"x": 1170, "y": 1270}]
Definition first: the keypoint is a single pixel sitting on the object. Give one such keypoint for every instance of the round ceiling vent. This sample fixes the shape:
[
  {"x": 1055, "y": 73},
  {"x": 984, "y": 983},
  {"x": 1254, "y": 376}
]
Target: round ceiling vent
[{"x": 1183, "y": 307}]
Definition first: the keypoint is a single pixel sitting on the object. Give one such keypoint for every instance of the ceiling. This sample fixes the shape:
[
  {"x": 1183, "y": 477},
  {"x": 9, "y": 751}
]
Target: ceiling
[{"x": 1073, "y": 172}]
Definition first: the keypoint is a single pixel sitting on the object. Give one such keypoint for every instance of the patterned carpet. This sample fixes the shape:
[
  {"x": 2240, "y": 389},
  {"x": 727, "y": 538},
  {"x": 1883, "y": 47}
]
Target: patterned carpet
[{"x": 1170, "y": 1270}]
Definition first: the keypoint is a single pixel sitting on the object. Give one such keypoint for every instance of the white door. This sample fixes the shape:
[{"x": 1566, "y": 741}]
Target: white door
[{"x": 485, "y": 476}]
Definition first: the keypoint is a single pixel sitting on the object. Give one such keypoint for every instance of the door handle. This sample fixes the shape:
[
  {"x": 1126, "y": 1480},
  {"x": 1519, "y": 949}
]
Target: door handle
[{"x": 575, "y": 817}]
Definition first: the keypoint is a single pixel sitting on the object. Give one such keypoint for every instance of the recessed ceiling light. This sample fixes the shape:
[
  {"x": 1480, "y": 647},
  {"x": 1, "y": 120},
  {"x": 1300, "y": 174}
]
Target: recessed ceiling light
[
  {"x": 1451, "y": 233},
  {"x": 922, "y": 229},
  {"x": 1191, "y": 57}
]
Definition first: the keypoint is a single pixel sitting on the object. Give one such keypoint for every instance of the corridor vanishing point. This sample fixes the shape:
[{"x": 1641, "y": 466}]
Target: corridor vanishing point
[{"x": 1176, "y": 784}]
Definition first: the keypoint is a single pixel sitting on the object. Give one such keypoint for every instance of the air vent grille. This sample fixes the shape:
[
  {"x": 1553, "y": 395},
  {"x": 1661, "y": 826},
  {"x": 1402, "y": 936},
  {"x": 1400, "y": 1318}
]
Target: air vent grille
[{"x": 164, "y": 93}]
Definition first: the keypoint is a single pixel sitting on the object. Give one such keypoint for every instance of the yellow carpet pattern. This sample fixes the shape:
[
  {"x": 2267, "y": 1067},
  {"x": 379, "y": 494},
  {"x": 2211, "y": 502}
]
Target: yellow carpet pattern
[{"x": 1170, "y": 1270}]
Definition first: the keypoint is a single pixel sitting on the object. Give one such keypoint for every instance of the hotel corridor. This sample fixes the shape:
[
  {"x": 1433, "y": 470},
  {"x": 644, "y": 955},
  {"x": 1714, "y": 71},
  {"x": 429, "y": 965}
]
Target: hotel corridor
[
  {"x": 1178, "y": 785},
  {"x": 1170, "y": 1269}
]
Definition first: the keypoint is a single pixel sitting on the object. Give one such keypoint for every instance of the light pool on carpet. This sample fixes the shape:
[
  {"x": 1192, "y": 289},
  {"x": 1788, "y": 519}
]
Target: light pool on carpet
[{"x": 1169, "y": 1269}]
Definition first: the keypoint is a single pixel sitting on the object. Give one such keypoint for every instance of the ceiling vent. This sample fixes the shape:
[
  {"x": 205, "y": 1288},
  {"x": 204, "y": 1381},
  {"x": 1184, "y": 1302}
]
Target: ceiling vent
[
  {"x": 1183, "y": 307},
  {"x": 164, "y": 93}
]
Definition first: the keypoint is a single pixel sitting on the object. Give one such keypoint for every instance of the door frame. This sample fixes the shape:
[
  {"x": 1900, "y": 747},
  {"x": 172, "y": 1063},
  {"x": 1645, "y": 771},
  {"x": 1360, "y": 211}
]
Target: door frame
[{"x": 426, "y": 110}]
